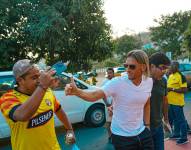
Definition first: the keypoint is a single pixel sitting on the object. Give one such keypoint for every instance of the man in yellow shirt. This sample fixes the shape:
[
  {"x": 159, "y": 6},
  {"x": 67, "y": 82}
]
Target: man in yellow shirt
[
  {"x": 29, "y": 109},
  {"x": 177, "y": 86}
]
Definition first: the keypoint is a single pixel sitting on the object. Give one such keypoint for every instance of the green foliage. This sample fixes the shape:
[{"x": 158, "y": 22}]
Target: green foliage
[
  {"x": 168, "y": 34},
  {"x": 150, "y": 51},
  {"x": 12, "y": 39},
  {"x": 112, "y": 62},
  {"x": 125, "y": 44},
  {"x": 73, "y": 30},
  {"x": 187, "y": 38}
]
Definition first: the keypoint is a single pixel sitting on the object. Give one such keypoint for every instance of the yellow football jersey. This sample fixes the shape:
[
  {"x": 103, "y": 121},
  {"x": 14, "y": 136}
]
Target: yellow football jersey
[
  {"x": 175, "y": 81},
  {"x": 38, "y": 133}
]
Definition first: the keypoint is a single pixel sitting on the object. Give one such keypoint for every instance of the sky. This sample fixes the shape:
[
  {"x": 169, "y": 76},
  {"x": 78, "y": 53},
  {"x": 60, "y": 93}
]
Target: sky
[{"x": 134, "y": 16}]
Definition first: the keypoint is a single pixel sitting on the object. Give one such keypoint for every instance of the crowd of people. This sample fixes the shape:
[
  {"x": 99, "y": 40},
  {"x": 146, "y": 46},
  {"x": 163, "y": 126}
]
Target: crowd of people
[{"x": 142, "y": 103}]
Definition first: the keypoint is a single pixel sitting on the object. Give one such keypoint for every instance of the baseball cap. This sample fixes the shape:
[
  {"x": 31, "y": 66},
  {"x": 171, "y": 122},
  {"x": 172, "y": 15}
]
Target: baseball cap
[{"x": 21, "y": 67}]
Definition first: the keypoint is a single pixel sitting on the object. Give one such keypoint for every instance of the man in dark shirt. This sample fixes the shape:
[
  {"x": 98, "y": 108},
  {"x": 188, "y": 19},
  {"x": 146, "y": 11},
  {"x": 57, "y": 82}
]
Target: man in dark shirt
[{"x": 159, "y": 63}]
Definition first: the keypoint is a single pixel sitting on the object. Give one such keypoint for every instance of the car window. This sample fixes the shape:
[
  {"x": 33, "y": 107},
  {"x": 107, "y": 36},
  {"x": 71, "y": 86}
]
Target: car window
[
  {"x": 187, "y": 67},
  {"x": 65, "y": 80},
  {"x": 120, "y": 70},
  {"x": 6, "y": 83},
  {"x": 181, "y": 67}
]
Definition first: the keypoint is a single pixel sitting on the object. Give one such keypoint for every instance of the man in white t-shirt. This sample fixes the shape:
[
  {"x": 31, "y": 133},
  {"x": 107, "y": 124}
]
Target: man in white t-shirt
[{"x": 131, "y": 103}]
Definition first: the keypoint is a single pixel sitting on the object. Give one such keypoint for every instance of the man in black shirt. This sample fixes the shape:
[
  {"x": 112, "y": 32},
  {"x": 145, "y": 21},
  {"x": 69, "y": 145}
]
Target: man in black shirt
[{"x": 159, "y": 63}]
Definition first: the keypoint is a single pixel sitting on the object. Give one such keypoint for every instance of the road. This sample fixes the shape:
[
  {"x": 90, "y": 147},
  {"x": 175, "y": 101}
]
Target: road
[{"x": 94, "y": 138}]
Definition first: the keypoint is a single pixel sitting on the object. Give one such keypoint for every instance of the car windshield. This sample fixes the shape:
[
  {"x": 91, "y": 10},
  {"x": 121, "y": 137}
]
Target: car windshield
[
  {"x": 65, "y": 80},
  {"x": 187, "y": 67},
  {"x": 6, "y": 83}
]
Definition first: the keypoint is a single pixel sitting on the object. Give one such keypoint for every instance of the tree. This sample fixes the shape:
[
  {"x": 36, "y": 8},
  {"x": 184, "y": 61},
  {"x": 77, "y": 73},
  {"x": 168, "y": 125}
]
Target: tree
[
  {"x": 56, "y": 30},
  {"x": 150, "y": 51},
  {"x": 168, "y": 34},
  {"x": 125, "y": 44},
  {"x": 12, "y": 41},
  {"x": 187, "y": 38}
]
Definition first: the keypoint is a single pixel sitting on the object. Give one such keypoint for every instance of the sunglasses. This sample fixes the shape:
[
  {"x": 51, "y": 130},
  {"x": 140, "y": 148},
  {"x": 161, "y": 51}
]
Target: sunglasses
[
  {"x": 163, "y": 67},
  {"x": 132, "y": 67}
]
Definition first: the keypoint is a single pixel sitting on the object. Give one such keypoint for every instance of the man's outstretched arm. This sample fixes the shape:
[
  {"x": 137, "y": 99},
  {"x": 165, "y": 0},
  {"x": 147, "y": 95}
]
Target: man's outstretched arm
[{"x": 71, "y": 89}]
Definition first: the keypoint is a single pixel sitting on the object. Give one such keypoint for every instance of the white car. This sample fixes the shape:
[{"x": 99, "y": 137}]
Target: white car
[{"x": 77, "y": 110}]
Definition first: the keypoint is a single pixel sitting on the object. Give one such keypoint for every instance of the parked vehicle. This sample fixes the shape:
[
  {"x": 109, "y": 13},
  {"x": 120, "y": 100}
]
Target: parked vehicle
[
  {"x": 77, "y": 110},
  {"x": 118, "y": 71},
  {"x": 185, "y": 69}
]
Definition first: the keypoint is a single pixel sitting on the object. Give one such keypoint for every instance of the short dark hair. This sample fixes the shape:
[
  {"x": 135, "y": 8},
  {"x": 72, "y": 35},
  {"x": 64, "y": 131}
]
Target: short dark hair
[
  {"x": 111, "y": 69},
  {"x": 159, "y": 58}
]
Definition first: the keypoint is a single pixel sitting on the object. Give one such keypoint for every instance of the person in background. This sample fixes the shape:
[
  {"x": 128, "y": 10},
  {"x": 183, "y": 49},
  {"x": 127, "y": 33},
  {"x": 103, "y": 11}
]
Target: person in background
[
  {"x": 177, "y": 86},
  {"x": 170, "y": 115},
  {"x": 109, "y": 75},
  {"x": 131, "y": 103},
  {"x": 29, "y": 109},
  {"x": 94, "y": 81},
  {"x": 159, "y": 64},
  {"x": 108, "y": 101}
]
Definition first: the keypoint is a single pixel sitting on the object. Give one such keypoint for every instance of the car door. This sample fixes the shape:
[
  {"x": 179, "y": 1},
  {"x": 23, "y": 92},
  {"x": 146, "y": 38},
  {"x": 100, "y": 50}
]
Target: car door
[
  {"x": 4, "y": 128},
  {"x": 6, "y": 82},
  {"x": 74, "y": 106}
]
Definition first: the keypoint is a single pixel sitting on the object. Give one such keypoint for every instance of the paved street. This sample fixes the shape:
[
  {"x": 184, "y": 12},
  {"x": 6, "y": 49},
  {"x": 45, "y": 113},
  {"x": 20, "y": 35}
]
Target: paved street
[{"x": 94, "y": 138}]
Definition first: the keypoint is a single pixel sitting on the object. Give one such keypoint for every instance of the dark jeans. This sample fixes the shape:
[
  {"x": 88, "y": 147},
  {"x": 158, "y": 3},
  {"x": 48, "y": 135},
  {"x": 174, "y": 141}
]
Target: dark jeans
[
  {"x": 170, "y": 117},
  {"x": 158, "y": 137},
  {"x": 143, "y": 141},
  {"x": 179, "y": 122}
]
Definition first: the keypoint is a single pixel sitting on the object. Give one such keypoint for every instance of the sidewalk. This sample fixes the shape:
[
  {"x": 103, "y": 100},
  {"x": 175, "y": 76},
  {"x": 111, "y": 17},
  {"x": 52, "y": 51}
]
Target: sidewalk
[{"x": 171, "y": 145}]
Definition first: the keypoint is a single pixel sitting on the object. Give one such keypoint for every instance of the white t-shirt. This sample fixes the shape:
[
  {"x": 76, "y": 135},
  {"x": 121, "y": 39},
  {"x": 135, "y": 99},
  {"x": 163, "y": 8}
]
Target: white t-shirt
[
  {"x": 128, "y": 104},
  {"x": 109, "y": 99},
  {"x": 105, "y": 81}
]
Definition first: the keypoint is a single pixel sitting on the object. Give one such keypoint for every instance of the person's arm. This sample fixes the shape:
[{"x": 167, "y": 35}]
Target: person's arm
[
  {"x": 165, "y": 108},
  {"x": 167, "y": 126},
  {"x": 71, "y": 89},
  {"x": 26, "y": 110},
  {"x": 180, "y": 90},
  {"x": 147, "y": 114},
  {"x": 90, "y": 95},
  {"x": 64, "y": 119}
]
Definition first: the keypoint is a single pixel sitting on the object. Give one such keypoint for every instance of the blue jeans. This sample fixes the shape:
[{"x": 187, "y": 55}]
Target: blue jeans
[
  {"x": 158, "y": 137},
  {"x": 170, "y": 117},
  {"x": 143, "y": 141},
  {"x": 179, "y": 121}
]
